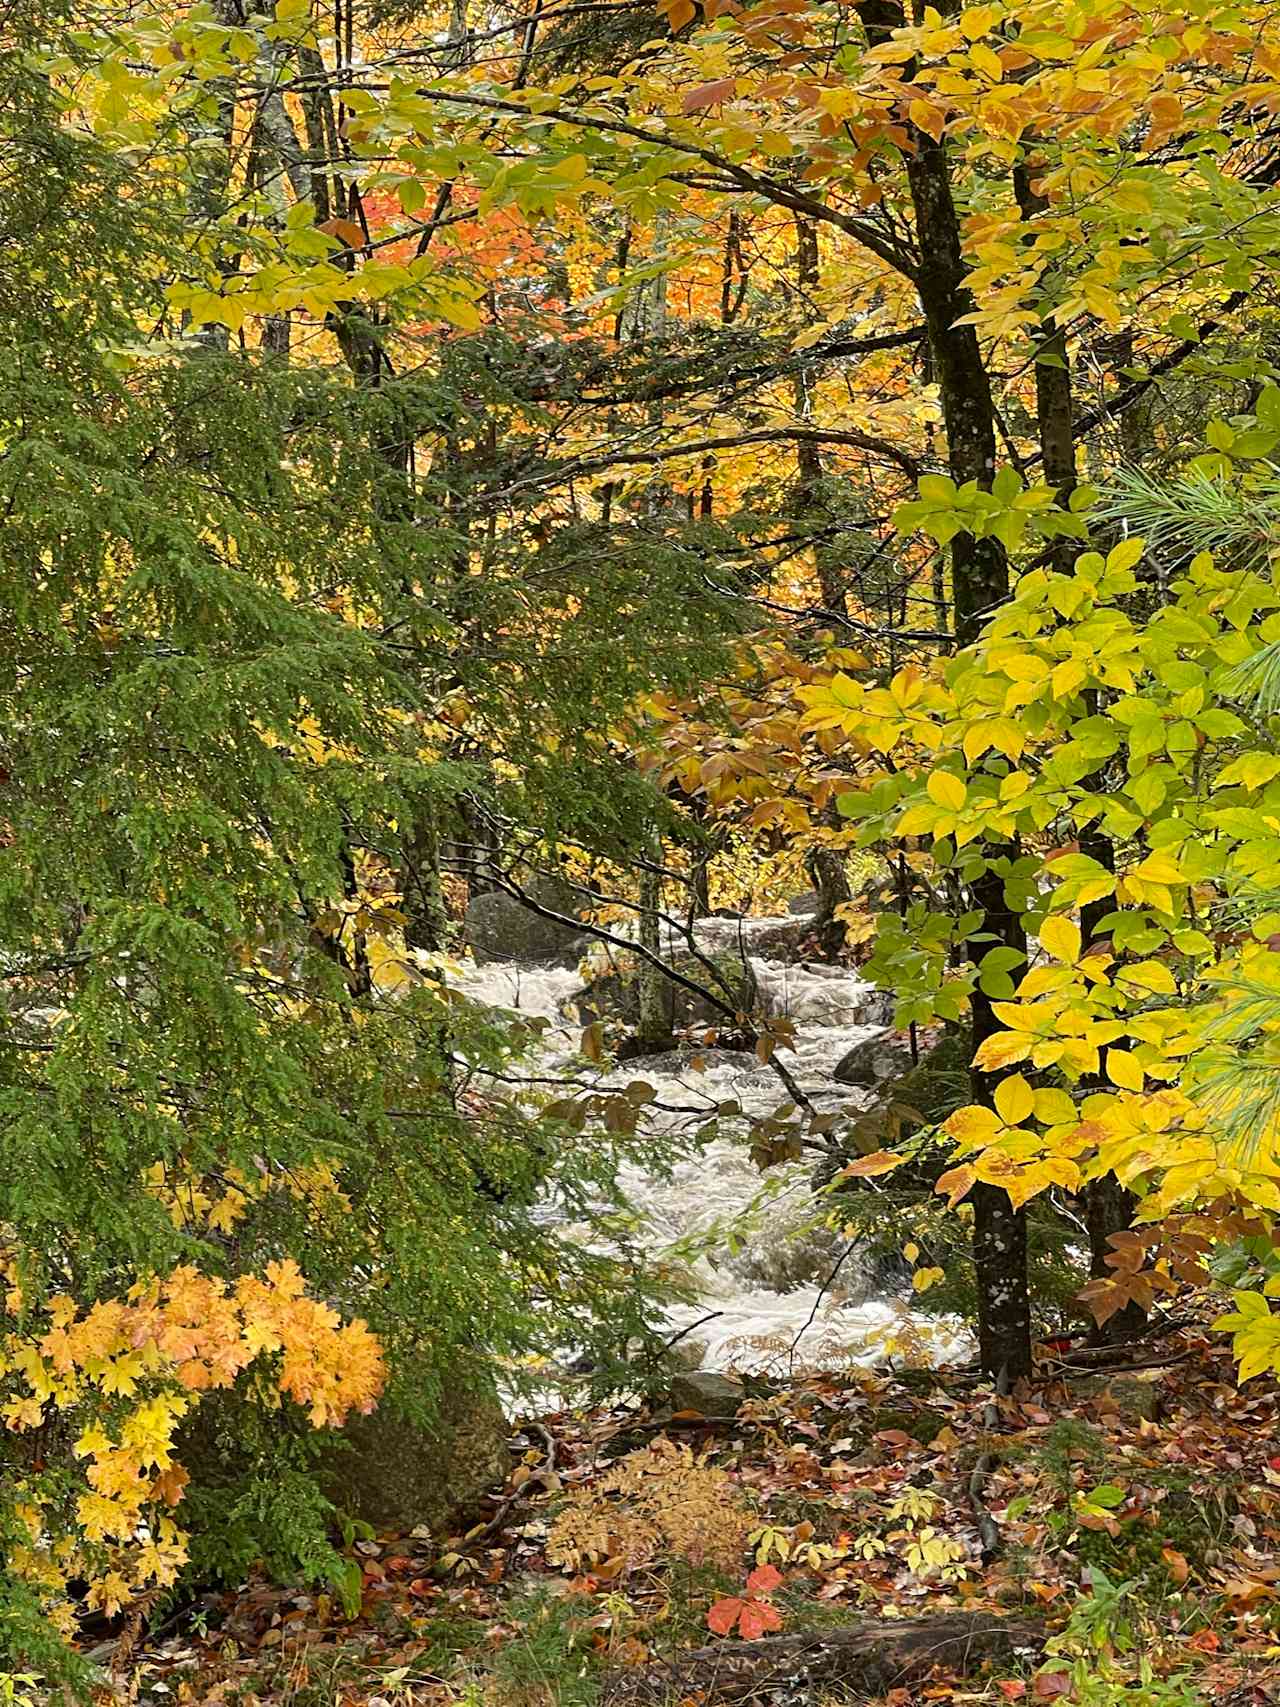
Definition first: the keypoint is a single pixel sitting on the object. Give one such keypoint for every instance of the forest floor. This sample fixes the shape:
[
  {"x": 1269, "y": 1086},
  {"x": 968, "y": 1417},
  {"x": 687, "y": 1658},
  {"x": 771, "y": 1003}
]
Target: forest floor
[{"x": 1130, "y": 1521}]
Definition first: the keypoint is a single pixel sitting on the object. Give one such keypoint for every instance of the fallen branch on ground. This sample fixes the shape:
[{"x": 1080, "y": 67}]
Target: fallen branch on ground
[{"x": 870, "y": 1657}]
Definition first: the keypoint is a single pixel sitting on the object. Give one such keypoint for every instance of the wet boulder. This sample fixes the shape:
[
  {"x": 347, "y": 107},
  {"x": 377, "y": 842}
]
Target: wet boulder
[
  {"x": 874, "y": 1060},
  {"x": 499, "y": 927},
  {"x": 615, "y": 995},
  {"x": 709, "y": 1394}
]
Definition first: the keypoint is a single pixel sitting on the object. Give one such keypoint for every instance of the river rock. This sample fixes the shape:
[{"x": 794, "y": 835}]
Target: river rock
[
  {"x": 781, "y": 938},
  {"x": 709, "y": 1394},
  {"x": 806, "y": 904},
  {"x": 869, "y": 1063},
  {"x": 385, "y": 1470},
  {"x": 877, "y": 1007},
  {"x": 498, "y": 927},
  {"x": 616, "y": 995},
  {"x": 1134, "y": 1399}
]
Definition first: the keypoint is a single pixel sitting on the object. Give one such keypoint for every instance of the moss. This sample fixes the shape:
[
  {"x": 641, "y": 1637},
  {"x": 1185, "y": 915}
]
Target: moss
[{"x": 921, "y": 1423}]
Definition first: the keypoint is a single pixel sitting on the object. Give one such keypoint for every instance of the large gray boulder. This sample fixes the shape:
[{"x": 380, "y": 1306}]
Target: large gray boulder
[
  {"x": 498, "y": 927},
  {"x": 870, "y": 1063},
  {"x": 706, "y": 1392},
  {"x": 615, "y": 995},
  {"x": 399, "y": 1477}
]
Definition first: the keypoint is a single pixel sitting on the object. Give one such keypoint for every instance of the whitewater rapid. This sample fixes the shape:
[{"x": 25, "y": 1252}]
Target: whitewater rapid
[{"x": 765, "y": 1288}]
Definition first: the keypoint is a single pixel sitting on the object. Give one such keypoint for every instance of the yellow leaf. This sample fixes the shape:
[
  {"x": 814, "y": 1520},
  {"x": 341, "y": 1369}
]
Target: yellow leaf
[
  {"x": 947, "y": 790},
  {"x": 1159, "y": 868},
  {"x": 924, "y": 1278},
  {"x": 866, "y": 1167},
  {"x": 1123, "y": 1070},
  {"x": 1151, "y": 975},
  {"x": 1014, "y": 1100},
  {"x": 1054, "y": 1108},
  {"x": 1060, "y": 937},
  {"x": 928, "y": 118},
  {"x": 1002, "y": 1050},
  {"x": 1067, "y": 677},
  {"x": 972, "y": 1125},
  {"x": 987, "y": 61},
  {"x": 1126, "y": 554}
]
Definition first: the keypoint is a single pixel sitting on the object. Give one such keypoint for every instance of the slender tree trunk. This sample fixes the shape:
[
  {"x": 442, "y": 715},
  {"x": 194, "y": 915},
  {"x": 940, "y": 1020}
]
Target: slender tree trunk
[
  {"x": 980, "y": 582},
  {"x": 653, "y": 1029},
  {"x": 830, "y": 880},
  {"x": 1108, "y": 1206}
]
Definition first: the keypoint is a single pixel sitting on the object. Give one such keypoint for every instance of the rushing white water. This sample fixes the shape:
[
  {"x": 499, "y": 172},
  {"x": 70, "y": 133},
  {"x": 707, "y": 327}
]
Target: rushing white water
[{"x": 766, "y": 1287}]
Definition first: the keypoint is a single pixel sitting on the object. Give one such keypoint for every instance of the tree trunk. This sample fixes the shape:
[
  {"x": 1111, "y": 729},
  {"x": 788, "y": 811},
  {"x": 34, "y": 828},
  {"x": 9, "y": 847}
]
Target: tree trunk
[
  {"x": 426, "y": 918},
  {"x": 653, "y": 1026},
  {"x": 830, "y": 880},
  {"x": 980, "y": 582},
  {"x": 866, "y": 1658},
  {"x": 979, "y": 569},
  {"x": 1108, "y": 1206}
]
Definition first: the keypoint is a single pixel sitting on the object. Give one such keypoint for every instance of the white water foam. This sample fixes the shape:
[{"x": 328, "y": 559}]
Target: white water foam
[{"x": 764, "y": 1287}]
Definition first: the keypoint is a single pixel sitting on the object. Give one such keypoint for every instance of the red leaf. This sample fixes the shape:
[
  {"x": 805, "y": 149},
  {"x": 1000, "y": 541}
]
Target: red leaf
[
  {"x": 1012, "y": 1688},
  {"x": 764, "y": 1580},
  {"x": 722, "y": 1617},
  {"x": 757, "y": 1617}
]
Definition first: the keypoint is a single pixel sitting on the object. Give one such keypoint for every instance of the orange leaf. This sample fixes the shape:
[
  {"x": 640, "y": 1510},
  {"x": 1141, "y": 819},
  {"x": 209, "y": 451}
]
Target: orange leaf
[
  {"x": 757, "y": 1617},
  {"x": 347, "y": 231},
  {"x": 882, "y": 1162},
  {"x": 764, "y": 1580},
  {"x": 722, "y": 1617}
]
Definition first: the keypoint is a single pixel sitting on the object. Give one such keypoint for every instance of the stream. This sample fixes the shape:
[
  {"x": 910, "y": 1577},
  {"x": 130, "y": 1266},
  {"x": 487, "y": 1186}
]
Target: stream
[{"x": 766, "y": 1292}]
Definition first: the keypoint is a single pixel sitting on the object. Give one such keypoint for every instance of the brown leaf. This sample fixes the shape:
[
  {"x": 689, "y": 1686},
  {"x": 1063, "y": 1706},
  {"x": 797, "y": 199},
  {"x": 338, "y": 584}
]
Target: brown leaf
[
  {"x": 1049, "y": 1685},
  {"x": 1179, "y": 1569},
  {"x": 708, "y": 95}
]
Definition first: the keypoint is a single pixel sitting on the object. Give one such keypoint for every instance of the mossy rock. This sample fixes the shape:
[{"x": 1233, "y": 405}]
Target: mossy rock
[
  {"x": 904, "y": 1103},
  {"x": 1133, "y": 1399},
  {"x": 615, "y": 995},
  {"x": 923, "y": 1423},
  {"x": 383, "y": 1469},
  {"x": 499, "y": 927}
]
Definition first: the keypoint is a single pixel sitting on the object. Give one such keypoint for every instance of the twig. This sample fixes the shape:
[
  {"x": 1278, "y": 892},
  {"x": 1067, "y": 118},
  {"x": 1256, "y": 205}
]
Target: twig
[
  {"x": 499, "y": 1517},
  {"x": 822, "y": 1292},
  {"x": 684, "y": 1332},
  {"x": 1064, "y": 1368}
]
